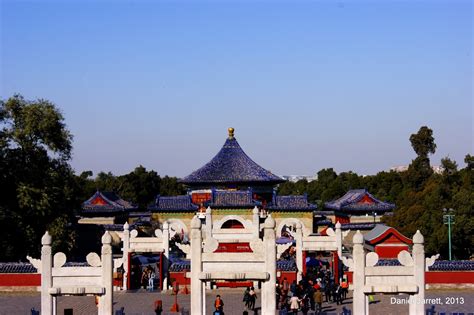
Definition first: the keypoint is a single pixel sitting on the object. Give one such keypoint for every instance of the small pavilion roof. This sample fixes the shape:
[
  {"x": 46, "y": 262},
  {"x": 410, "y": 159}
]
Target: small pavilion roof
[
  {"x": 231, "y": 166},
  {"x": 291, "y": 202},
  {"x": 106, "y": 202},
  {"x": 173, "y": 203},
  {"x": 381, "y": 231},
  {"x": 359, "y": 201}
]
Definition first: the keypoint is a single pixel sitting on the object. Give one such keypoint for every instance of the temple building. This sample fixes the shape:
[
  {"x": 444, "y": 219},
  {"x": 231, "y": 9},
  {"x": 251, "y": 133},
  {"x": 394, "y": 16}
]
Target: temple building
[
  {"x": 232, "y": 184},
  {"x": 106, "y": 208},
  {"x": 357, "y": 209}
]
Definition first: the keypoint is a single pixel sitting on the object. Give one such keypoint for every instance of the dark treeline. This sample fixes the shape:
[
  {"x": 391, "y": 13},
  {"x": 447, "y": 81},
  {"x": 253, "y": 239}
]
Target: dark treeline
[
  {"x": 139, "y": 186},
  {"x": 40, "y": 191}
]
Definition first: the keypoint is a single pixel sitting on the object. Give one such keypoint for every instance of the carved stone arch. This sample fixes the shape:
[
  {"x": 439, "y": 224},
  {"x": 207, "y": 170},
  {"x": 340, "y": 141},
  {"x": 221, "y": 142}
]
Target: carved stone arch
[
  {"x": 246, "y": 223},
  {"x": 176, "y": 226},
  {"x": 290, "y": 222}
]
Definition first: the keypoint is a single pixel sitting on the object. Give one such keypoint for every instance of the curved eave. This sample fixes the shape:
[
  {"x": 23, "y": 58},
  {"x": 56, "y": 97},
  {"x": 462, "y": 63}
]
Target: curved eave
[
  {"x": 386, "y": 233},
  {"x": 165, "y": 210},
  {"x": 220, "y": 206},
  {"x": 231, "y": 182},
  {"x": 287, "y": 209}
]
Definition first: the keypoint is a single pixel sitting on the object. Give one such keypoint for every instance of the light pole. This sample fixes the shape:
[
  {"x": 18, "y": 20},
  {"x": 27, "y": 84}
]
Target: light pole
[{"x": 448, "y": 218}]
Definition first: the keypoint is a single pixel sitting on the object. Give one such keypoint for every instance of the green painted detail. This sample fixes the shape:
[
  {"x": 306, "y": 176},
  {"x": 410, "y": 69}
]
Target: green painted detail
[
  {"x": 296, "y": 215},
  {"x": 172, "y": 215},
  {"x": 231, "y": 211}
]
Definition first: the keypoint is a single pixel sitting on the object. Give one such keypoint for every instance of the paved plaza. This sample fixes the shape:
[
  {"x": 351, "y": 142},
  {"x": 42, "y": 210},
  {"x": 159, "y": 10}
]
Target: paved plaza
[{"x": 141, "y": 303}]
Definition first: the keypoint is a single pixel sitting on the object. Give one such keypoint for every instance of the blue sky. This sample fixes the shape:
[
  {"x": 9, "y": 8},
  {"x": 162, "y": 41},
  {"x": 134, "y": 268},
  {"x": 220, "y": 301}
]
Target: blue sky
[{"x": 306, "y": 84}]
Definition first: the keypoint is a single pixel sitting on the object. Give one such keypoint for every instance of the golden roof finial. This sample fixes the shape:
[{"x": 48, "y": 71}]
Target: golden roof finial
[{"x": 231, "y": 133}]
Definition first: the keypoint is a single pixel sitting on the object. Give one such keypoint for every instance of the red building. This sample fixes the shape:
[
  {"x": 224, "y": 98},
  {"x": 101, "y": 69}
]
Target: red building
[{"x": 386, "y": 241}]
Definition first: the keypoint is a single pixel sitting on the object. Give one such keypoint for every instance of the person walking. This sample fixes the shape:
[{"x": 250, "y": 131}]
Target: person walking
[
  {"x": 294, "y": 304},
  {"x": 252, "y": 298},
  {"x": 305, "y": 304},
  {"x": 144, "y": 279},
  {"x": 246, "y": 298},
  {"x": 151, "y": 279},
  {"x": 219, "y": 305},
  {"x": 318, "y": 299},
  {"x": 328, "y": 291},
  {"x": 345, "y": 288},
  {"x": 338, "y": 295}
]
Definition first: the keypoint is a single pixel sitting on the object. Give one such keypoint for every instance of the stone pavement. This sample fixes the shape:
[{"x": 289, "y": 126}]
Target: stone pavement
[{"x": 141, "y": 303}]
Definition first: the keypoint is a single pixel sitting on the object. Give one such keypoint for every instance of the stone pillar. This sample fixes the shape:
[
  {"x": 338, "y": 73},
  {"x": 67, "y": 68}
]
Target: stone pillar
[
  {"x": 204, "y": 284},
  {"x": 125, "y": 251},
  {"x": 269, "y": 287},
  {"x": 196, "y": 267},
  {"x": 256, "y": 222},
  {"x": 208, "y": 227},
  {"x": 359, "y": 304},
  {"x": 46, "y": 275},
  {"x": 166, "y": 254},
  {"x": 106, "y": 300},
  {"x": 418, "y": 252},
  {"x": 339, "y": 239},
  {"x": 299, "y": 251}
]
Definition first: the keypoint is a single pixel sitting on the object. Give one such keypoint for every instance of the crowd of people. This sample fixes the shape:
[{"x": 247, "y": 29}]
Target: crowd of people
[{"x": 310, "y": 293}]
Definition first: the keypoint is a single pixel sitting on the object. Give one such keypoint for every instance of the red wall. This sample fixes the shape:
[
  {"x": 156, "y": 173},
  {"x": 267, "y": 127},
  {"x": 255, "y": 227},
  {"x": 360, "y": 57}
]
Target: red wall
[
  {"x": 179, "y": 276},
  {"x": 20, "y": 279},
  {"x": 389, "y": 251},
  {"x": 289, "y": 275},
  {"x": 432, "y": 277}
]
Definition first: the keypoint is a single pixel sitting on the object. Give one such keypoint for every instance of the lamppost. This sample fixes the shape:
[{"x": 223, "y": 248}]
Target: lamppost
[{"x": 448, "y": 218}]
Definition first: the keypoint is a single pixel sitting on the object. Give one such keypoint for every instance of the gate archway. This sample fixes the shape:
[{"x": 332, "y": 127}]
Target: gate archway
[{"x": 207, "y": 265}]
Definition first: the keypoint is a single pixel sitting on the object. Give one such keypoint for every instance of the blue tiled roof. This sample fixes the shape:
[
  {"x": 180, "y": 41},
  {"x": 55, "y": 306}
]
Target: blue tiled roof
[
  {"x": 452, "y": 265},
  {"x": 180, "y": 265},
  {"x": 388, "y": 262},
  {"x": 231, "y": 165},
  {"x": 113, "y": 203},
  {"x": 173, "y": 203},
  {"x": 238, "y": 198},
  {"x": 357, "y": 226},
  {"x": 291, "y": 202},
  {"x": 350, "y": 203},
  {"x": 286, "y": 265},
  {"x": 14, "y": 267}
]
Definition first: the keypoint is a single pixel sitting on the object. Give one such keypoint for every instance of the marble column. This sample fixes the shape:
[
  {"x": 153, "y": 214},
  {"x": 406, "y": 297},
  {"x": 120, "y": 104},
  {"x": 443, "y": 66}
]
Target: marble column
[
  {"x": 106, "y": 300},
  {"x": 196, "y": 267},
  {"x": 269, "y": 286},
  {"x": 339, "y": 239},
  {"x": 46, "y": 274},
  {"x": 299, "y": 251},
  {"x": 359, "y": 303},
  {"x": 166, "y": 253},
  {"x": 256, "y": 222},
  {"x": 418, "y": 252},
  {"x": 125, "y": 251},
  {"x": 208, "y": 227}
]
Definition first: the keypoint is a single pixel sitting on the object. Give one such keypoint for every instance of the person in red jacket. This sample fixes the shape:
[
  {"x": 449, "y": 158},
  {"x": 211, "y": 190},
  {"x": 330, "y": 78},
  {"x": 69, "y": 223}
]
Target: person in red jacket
[{"x": 219, "y": 304}]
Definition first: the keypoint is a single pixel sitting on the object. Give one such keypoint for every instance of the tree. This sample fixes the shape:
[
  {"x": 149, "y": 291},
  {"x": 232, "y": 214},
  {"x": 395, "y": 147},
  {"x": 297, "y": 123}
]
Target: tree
[
  {"x": 420, "y": 169},
  {"x": 36, "y": 180},
  {"x": 423, "y": 142}
]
